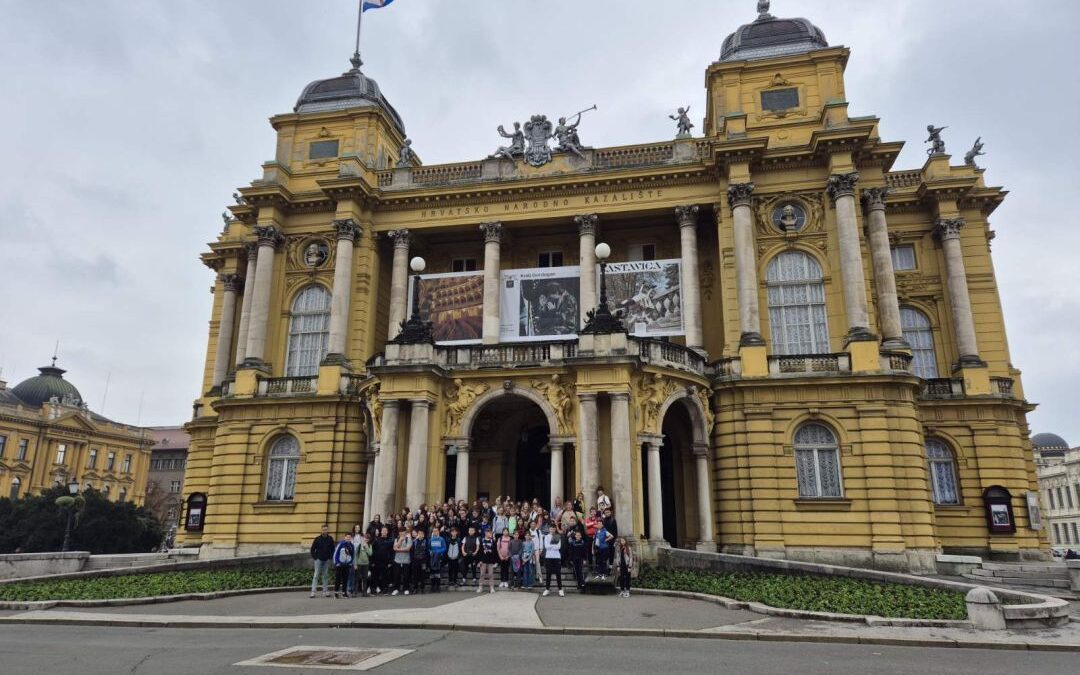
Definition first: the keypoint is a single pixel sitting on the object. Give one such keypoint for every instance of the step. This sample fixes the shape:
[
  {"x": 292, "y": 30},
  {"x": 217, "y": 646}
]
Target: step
[{"x": 1021, "y": 581}]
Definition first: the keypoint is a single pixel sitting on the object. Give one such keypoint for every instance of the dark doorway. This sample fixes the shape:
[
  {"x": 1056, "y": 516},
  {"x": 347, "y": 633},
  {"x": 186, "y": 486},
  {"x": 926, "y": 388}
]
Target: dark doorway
[
  {"x": 509, "y": 450},
  {"x": 533, "y": 470}
]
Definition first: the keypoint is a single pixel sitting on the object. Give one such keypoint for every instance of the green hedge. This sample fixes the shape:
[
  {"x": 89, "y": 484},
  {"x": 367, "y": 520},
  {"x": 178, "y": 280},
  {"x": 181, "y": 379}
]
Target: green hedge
[
  {"x": 153, "y": 585},
  {"x": 819, "y": 594}
]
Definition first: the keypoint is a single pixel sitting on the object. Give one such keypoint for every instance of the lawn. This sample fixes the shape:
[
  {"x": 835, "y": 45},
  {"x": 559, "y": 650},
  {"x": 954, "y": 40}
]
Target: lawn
[
  {"x": 154, "y": 585},
  {"x": 820, "y": 594}
]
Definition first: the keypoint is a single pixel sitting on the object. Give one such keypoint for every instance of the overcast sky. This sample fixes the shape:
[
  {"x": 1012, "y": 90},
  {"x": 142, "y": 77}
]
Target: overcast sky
[{"x": 128, "y": 123}]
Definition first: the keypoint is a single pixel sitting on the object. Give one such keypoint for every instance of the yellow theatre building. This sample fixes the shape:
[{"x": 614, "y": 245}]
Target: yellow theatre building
[{"x": 801, "y": 355}]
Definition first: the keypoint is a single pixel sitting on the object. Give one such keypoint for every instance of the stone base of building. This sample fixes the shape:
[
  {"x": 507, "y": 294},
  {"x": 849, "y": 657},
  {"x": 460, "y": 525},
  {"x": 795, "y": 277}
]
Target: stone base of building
[
  {"x": 911, "y": 561},
  {"x": 219, "y": 551},
  {"x": 1019, "y": 555}
]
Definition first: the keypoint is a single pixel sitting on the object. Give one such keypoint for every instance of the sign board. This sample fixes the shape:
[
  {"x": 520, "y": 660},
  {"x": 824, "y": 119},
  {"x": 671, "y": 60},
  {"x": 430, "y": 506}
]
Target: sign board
[
  {"x": 453, "y": 303},
  {"x": 647, "y": 296},
  {"x": 541, "y": 303}
]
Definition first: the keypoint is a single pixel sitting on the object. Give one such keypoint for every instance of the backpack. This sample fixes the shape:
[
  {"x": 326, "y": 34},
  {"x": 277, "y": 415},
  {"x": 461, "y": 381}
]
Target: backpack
[{"x": 601, "y": 539}]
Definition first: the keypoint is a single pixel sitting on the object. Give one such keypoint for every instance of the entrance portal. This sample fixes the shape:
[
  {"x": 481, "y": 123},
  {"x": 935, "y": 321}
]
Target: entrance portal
[
  {"x": 677, "y": 479},
  {"x": 509, "y": 444}
]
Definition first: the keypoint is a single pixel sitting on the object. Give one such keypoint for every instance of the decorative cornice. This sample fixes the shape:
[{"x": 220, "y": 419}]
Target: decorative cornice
[
  {"x": 347, "y": 228},
  {"x": 948, "y": 228},
  {"x": 842, "y": 185},
  {"x": 739, "y": 194},
  {"x": 401, "y": 238},
  {"x": 269, "y": 235},
  {"x": 874, "y": 198},
  {"x": 587, "y": 224},
  {"x": 687, "y": 215},
  {"x": 492, "y": 232},
  {"x": 232, "y": 282}
]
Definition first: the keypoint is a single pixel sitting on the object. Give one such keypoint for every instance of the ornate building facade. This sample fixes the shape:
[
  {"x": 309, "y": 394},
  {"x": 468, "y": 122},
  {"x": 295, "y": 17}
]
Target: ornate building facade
[
  {"x": 802, "y": 353},
  {"x": 1058, "y": 469},
  {"x": 49, "y": 437}
]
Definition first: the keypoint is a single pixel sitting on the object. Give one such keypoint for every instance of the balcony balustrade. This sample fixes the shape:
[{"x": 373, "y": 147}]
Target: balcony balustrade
[{"x": 800, "y": 364}]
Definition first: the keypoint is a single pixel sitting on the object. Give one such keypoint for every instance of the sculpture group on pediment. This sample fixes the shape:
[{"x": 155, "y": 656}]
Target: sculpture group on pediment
[{"x": 531, "y": 142}]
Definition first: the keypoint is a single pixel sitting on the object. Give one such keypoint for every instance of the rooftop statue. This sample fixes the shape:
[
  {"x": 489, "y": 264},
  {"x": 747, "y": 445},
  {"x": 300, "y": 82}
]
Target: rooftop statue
[
  {"x": 405, "y": 156},
  {"x": 567, "y": 136},
  {"x": 517, "y": 144},
  {"x": 682, "y": 119},
  {"x": 975, "y": 151},
  {"x": 937, "y": 146}
]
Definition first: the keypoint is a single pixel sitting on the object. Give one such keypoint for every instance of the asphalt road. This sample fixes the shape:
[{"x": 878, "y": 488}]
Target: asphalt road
[{"x": 33, "y": 650}]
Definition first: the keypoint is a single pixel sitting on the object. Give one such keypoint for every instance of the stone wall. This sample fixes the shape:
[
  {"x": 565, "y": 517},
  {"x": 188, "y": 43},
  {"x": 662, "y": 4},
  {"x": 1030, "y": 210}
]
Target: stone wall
[
  {"x": 21, "y": 565},
  {"x": 283, "y": 561}
]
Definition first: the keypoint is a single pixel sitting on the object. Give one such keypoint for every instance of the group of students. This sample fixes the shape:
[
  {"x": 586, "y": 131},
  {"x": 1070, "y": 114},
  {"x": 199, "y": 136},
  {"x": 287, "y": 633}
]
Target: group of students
[{"x": 442, "y": 546}]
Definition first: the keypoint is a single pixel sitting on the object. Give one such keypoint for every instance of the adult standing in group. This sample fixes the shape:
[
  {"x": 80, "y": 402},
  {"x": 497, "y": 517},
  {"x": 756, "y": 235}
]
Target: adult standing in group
[
  {"x": 322, "y": 550},
  {"x": 361, "y": 564},
  {"x": 402, "y": 561},
  {"x": 382, "y": 560},
  {"x": 553, "y": 560},
  {"x": 612, "y": 527}
]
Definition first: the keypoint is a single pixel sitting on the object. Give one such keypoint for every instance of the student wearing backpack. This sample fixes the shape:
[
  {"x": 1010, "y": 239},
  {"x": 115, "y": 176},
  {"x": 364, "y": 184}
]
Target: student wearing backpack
[
  {"x": 343, "y": 562},
  {"x": 361, "y": 565},
  {"x": 453, "y": 558},
  {"x": 437, "y": 546}
]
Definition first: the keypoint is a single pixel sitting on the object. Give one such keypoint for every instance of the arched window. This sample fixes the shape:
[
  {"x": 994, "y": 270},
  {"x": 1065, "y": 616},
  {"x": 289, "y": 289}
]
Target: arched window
[
  {"x": 817, "y": 461},
  {"x": 797, "y": 305},
  {"x": 916, "y": 328},
  {"x": 281, "y": 472},
  {"x": 16, "y": 483},
  {"x": 309, "y": 331},
  {"x": 942, "y": 464}
]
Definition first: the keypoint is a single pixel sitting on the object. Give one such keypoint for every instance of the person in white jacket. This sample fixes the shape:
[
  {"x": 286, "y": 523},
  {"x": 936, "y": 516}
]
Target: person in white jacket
[{"x": 553, "y": 561}]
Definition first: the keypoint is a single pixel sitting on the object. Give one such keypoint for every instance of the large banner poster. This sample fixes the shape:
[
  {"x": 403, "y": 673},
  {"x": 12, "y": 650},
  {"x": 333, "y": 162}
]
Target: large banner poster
[
  {"x": 539, "y": 304},
  {"x": 454, "y": 304},
  {"x": 647, "y": 296}
]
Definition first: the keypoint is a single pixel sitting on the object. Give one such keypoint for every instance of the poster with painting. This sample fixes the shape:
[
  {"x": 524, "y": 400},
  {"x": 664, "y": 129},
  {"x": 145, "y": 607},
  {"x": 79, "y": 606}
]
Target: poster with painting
[
  {"x": 647, "y": 296},
  {"x": 453, "y": 303},
  {"x": 539, "y": 304}
]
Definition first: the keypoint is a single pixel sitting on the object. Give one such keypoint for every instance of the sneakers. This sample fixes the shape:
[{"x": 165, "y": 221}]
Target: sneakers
[
  {"x": 312, "y": 594},
  {"x": 395, "y": 592},
  {"x": 326, "y": 594},
  {"x": 478, "y": 589},
  {"x": 562, "y": 593},
  {"x": 492, "y": 589},
  {"x": 337, "y": 595},
  {"x": 406, "y": 592},
  {"x": 546, "y": 592}
]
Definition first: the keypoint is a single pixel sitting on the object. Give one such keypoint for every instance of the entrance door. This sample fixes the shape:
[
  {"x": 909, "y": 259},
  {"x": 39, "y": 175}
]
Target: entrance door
[
  {"x": 533, "y": 466},
  {"x": 509, "y": 440}
]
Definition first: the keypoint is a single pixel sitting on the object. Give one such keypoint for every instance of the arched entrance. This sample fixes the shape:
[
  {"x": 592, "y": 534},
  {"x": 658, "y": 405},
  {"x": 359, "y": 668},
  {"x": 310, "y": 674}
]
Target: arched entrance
[{"x": 509, "y": 450}]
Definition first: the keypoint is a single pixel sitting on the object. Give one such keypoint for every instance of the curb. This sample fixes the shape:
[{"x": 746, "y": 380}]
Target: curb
[
  {"x": 31, "y": 605},
  {"x": 563, "y": 630}
]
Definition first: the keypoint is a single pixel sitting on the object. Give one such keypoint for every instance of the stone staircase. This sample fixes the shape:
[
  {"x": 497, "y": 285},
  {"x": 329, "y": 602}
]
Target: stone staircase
[
  {"x": 133, "y": 560},
  {"x": 1042, "y": 575}
]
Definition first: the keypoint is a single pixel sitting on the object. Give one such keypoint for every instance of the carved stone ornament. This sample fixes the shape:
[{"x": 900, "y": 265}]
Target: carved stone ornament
[
  {"x": 949, "y": 228},
  {"x": 739, "y": 194},
  {"x": 459, "y": 398},
  {"x": 405, "y": 155},
  {"x": 268, "y": 235},
  {"x": 705, "y": 279},
  {"x": 687, "y": 216},
  {"x": 874, "y": 198},
  {"x": 560, "y": 396},
  {"x": 347, "y": 228},
  {"x": 538, "y": 132},
  {"x": 401, "y": 238},
  {"x": 937, "y": 146},
  {"x": 316, "y": 253},
  {"x": 706, "y": 403},
  {"x": 654, "y": 390},
  {"x": 789, "y": 217},
  {"x": 252, "y": 250},
  {"x": 842, "y": 185},
  {"x": 975, "y": 151},
  {"x": 375, "y": 407},
  {"x": 587, "y": 224},
  {"x": 787, "y": 214},
  {"x": 492, "y": 232},
  {"x": 232, "y": 282}
]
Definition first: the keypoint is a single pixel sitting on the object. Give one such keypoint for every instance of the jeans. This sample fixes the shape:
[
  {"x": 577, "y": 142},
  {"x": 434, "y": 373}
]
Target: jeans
[
  {"x": 322, "y": 569},
  {"x": 528, "y": 576},
  {"x": 624, "y": 579},
  {"x": 358, "y": 580},
  {"x": 418, "y": 575},
  {"x": 602, "y": 564},
  {"x": 579, "y": 573},
  {"x": 554, "y": 567},
  {"x": 487, "y": 571},
  {"x": 452, "y": 572},
  {"x": 470, "y": 567},
  {"x": 401, "y": 576}
]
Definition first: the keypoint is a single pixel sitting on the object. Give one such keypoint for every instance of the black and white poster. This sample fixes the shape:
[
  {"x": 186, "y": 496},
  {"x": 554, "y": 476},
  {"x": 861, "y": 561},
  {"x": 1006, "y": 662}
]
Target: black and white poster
[{"x": 539, "y": 304}]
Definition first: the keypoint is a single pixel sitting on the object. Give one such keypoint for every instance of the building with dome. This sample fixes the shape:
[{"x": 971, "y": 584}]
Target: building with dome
[
  {"x": 763, "y": 339},
  {"x": 1058, "y": 468},
  {"x": 49, "y": 436}
]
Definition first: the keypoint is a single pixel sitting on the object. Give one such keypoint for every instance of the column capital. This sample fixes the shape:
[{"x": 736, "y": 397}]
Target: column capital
[
  {"x": 949, "y": 228},
  {"x": 701, "y": 450},
  {"x": 587, "y": 224},
  {"x": 391, "y": 403},
  {"x": 232, "y": 282},
  {"x": 739, "y": 194},
  {"x": 252, "y": 250},
  {"x": 269, "y": 235},
  {"x": 420, "y": 402},
  {"x": 842, "y": 185},
  {"x": 873, "y": 199},
  {"x": 492, "y": 232},
  {"x": 587, "y": 396},
  {"x": 347, "y": 228},
  {"x": 401, "y": 238},
  {"x": 687, "y": 215},
  {"x": 620, "y": 396}
]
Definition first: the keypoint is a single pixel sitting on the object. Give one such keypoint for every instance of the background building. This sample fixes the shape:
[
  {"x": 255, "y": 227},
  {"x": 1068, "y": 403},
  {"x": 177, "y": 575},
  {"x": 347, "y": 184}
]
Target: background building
[
  {"x": 165, "y": 478},
  {"x": 49, "y": 436},
  {"x": 1059, "y": 487},
  {"x": 807, "y": 356}
]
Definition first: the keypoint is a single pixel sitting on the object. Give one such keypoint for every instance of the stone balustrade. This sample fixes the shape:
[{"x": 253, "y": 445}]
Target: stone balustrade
[
  {"x": 1002, "y": 386},
  {"x": 287, "y": 386},
  {"x": 904, "y": 179},
  {"x": 636, "y": 155},
  {"x": 669, "y": 355},
  {"x": 896, "y": 362},
  {"x": 942, "y": 387},
  {"x": 441, "y": 174},
  {"x": 810, "y": 363}
]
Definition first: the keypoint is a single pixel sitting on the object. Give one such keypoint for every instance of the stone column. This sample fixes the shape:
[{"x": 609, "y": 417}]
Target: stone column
[
  {"x": 589, "y": 446},
  {"x": 948, "y": 230},
  {"x": 842, "y": 190},
  {"x": 225, "y": 328},
  {"x": 705, "y": 513},
  {"x": 621, "y": 467},
  {"x": 399, "y": 281},
  {"x": 587, "y": 227},
  {"x": 347, "y": 231},
  {"x": 492, "y": 239},
  {"x": 416, "y": 476},
  {"x": 269, "y": 239},
  {"x": 557, "y": 482},
  {"x": 386, "y": 480},
  {"x": 369, "y": 487},
  {"x": 746, "y": 279},
  {"x": 656, "y": 502},
  {"x": 691, "y": 291},
  {"x": 245, "y": 305},
  {"x": 461, "y": 475},
  {"x": 884, "y": 277}
]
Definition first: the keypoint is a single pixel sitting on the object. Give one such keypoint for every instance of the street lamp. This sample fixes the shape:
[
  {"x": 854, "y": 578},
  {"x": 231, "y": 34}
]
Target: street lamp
[
  {"x": 69, "y": 502},
  {"x": 601, "y": 321},
  {"x": 415, "y": 330}
]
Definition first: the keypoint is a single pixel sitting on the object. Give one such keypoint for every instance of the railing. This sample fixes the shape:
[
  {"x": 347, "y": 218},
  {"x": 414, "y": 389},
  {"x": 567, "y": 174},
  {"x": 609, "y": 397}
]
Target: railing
[
  {"x": 670, "y": 355},
  {"x": 504, "y": 355},
  {"x": 896, "y": 361},
  {"x": 810, "y": 363},
  {"x": 386, "y": 178},
  {"x": 1002, "y": 386},
  {"x": 728, "y": 367},
  {"x": 638, "y": 155},
  {"x": 351, "y": 384},
  {"x": 904, "y": 179},
  {"x": 943, "y": 387},
  {"x": 287, "y": 386},
  {"x": 445, "y": 173},
  {"x": 226, "y": 388},
  {"x": 704, "y": 149}
]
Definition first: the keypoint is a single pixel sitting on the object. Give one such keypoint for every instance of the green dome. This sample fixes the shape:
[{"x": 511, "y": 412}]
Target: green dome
[{"x": 39, "y": 389}]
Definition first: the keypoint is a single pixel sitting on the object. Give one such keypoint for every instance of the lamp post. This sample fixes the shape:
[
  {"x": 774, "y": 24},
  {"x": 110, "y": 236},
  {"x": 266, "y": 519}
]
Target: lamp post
[
  {"x": 601, "y": 321},
  {"x": 68, "y": 502},
  {"x": 415, "y": 330}
]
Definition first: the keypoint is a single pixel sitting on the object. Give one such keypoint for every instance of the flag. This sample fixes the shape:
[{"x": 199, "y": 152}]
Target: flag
[{"x": 375, "y": 4}]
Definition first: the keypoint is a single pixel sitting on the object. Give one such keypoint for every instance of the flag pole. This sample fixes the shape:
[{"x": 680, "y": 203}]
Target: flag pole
[{"x": 356, "y": 62}]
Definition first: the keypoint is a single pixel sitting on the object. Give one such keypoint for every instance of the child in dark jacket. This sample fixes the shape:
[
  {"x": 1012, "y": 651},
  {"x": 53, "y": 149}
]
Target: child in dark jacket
[
  {"x": 437, "y": 546},
  {"x": 453, "y": 558},
  {"x": 343, "y": 561},
  {"x": 419, "y": 559}
]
